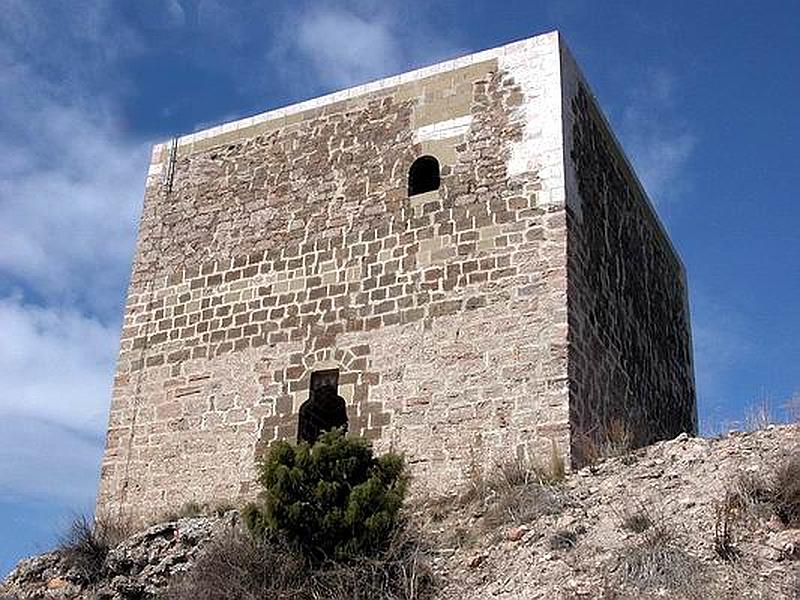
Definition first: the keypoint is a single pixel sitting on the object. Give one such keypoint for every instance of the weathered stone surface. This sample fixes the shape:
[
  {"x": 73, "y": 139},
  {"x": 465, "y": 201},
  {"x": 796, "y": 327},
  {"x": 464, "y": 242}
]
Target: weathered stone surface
[
  {"x": 138, "y": 568},
  {"x": 630, "y": 347},
  {"x": 468, "y": 324}
]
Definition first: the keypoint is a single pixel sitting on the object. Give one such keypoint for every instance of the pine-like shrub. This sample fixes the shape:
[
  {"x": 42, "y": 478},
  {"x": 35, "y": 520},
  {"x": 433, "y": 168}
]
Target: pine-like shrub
[{"x": 334, "y": 499}]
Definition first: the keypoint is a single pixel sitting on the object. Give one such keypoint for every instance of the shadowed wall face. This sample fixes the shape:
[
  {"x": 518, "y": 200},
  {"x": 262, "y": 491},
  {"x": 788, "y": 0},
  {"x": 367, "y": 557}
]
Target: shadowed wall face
[{"x": 630, "y": 366}]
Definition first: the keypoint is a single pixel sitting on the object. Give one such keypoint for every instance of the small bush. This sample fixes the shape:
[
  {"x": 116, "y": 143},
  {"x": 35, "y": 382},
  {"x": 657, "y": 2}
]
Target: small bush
[
  {"x": 637, "y": 522},
  {"x": 401, "y": 572},
  {"x": 86, "y": 545},
  {"x": 333, "y": 499},
  {"x": 786, "y": 491},
  {"x": 563, "y": 539},
  {"x": 657, "y": 563},
  {"x": 236, "y": 566}
]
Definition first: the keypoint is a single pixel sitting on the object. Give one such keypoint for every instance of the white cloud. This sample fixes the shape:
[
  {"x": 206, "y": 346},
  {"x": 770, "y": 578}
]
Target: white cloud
[
  {"x": 343, "y": 44},
  {"x": 70, "y": 191},
  {"x": 56, "y": 365},
  {"x": 68, "y": 42},
  {"x": 175, "y": 13},
  {"x": 659, "y": 143},
  {"x": 345, "y": 48}
]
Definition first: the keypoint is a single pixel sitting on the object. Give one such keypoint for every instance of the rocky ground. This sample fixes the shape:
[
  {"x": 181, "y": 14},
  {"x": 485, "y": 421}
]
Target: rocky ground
[
  {"x": 137, "y": 568},
  {"x": 593, "y": 547},
  {"x": 686, "y": 518}
]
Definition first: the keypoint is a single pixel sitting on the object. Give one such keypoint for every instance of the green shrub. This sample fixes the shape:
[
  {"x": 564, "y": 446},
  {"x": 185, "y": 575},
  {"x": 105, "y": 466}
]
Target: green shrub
[{"x": 333, "y": 499}]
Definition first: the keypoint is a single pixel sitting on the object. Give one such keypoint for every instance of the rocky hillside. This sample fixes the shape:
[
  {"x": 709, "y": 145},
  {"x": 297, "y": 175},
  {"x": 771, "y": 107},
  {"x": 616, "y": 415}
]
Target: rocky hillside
[{"x": 687, "y": 518}]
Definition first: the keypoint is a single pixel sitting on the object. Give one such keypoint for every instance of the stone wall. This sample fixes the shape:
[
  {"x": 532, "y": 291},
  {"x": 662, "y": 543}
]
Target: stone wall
[
  {"x": 290, "y": 245},
  {"x": 534, "y": 298},
  {"x": 630, "y": 362}
]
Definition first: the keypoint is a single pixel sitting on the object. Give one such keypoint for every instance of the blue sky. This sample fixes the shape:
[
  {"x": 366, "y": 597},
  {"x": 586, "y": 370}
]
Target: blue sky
[{"x": 702, "y": 95}]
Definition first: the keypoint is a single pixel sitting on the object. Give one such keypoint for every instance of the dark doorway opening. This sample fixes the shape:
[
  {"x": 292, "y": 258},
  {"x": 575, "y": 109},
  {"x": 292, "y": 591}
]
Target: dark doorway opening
[
  {"x": 325, "y": 408},
  {"x": 423, "y": 176}
]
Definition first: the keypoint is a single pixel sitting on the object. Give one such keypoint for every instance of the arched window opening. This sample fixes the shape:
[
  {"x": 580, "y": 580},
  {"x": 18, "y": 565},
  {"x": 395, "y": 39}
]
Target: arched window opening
[
  {"x": 423, "y": 176},
  {"x": 325, "y": 408}
]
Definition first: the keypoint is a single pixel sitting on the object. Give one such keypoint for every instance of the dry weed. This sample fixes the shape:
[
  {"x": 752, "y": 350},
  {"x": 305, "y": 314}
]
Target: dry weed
[
  {"x": 86, "y": 544},
  {"x": 727, "y": 514},
  {"x": 792, "y": 408},
  {"x": 615, "y": 440},
  {"x": 656, "y": 563},
  {"x": 517, "y": 492},
  {"x": 786, "y": 491},
  {"x": 184, "y": 511},
  {"x": 637, "y": 521},
  {"x": 238, "y": 567},
  {"x": 758, "y": 415}
]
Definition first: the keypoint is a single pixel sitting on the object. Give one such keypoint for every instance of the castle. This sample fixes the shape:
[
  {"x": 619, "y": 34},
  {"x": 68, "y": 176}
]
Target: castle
[{"x": 462, "y": 251}]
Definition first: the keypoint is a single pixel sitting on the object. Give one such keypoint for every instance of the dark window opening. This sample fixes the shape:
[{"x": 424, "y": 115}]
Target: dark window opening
[
  {"x": 423, "y": 176},
  {"x": 325, "y": 408}
]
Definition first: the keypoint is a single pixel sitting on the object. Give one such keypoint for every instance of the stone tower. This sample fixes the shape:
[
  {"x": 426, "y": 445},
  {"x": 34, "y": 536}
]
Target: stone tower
[{"x": 463, "y": 251}]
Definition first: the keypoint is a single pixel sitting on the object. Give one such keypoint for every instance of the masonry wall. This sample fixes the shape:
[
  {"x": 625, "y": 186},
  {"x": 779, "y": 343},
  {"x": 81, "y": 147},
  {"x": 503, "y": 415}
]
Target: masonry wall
[
  {"x": 630, "y": 361},
  {"x": 289, "y": 245}
]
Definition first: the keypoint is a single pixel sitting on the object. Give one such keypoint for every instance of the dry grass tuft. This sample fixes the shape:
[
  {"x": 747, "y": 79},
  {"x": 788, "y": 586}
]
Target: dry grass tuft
[
  {"x": 184, "y": 511},
  {"x": 192, "y": 509},
  {"x": 786, "y": 491},
  {"x": 616, "y": 440},
  {"x": 726, "y": 514},
  {"x": 563, "y": 539},
  {"x": 637, "y": 521},
  {"x": 758, "y": 415},
  {"x": 238, "y": 567},
  {"x": 792, "y": 408},
  {"x": 517, "y": 492},
  {"x": 86, "y": 545},
  {"x": 657, "y": 563},
  {"x": 759, "y": 496}
]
